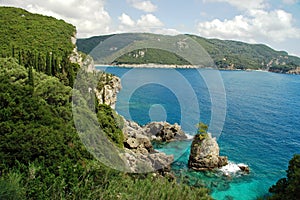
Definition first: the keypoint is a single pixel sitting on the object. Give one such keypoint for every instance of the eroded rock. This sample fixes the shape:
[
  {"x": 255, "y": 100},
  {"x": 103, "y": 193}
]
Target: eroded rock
[{"x": 205, "y": 153}]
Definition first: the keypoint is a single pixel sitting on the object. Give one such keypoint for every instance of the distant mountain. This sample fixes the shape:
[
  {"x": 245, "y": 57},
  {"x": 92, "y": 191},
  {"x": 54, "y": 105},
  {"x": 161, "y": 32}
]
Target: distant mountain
[{"x": 226, "y": 54}]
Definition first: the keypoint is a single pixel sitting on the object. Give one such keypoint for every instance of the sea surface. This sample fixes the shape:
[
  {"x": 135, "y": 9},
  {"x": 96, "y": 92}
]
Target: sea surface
[{"x": 261, "y": 126}]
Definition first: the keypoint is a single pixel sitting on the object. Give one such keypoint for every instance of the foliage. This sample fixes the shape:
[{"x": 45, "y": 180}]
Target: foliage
[
  {"x": 21, "y": 30},
  {"x": 158, "y": 56},
  {"x": 289, "y": 187},
  {"x": 202, "y": 128},
  {"x": 111, "y": 124},
  {"x": 38, "y": 42},
  {"x": 201, "y": 131}
]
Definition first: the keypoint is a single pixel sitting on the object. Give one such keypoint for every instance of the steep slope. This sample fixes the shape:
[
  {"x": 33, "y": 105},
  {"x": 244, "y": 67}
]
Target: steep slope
[
  {"x": 23, "y": 30},
  {"x": 226, "y": 54}
]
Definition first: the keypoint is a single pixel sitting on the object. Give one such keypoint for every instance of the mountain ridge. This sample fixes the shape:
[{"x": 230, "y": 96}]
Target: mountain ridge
[{"x": 226, "y": 54}]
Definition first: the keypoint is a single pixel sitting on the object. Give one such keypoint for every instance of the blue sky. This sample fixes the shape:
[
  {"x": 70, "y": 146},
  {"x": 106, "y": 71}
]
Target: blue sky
[{"x": 275, "y": 23}]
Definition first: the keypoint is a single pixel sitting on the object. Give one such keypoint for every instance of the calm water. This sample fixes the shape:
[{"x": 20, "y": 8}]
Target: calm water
[{"x": 262, "y": 126}]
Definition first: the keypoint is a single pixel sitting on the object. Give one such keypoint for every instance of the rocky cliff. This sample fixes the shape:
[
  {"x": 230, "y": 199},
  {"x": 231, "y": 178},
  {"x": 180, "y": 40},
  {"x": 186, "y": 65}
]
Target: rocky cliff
[
  {"x": 139, "y": 153},
  {"x": 205, "y": 153},
  {"x": 107, "y": 89}
]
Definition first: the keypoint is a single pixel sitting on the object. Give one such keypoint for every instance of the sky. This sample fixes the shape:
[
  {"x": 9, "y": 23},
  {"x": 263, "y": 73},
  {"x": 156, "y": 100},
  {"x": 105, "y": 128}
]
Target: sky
[{"x": 272, "y": 22}]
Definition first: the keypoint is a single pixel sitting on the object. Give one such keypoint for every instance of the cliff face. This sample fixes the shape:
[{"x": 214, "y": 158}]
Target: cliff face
[
  {"x": 109, "y": 87},
  {"x": 85, "y": 61}
]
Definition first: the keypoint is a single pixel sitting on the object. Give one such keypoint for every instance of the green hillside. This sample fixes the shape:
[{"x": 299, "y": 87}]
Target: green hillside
[
  {"x": 22, "y": 30},
  {"x": 40, "y": 42},
  {"x": 225, "y": 53}
]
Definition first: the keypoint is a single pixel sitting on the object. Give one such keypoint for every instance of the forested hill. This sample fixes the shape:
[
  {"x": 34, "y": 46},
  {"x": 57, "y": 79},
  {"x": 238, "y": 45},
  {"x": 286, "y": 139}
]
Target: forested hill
[
  {"x": 39, "y": 42},
  {"x": 24, "y": 31},
  {"x": 226, "y": 54}
]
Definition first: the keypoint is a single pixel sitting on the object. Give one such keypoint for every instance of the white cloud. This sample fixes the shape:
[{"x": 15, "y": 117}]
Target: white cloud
[
  {"x": 126, "y": 20},
  {"x": 146, "y": 6},
  {"x": 275, "y": 26},
  {"x": 146, "y": 23},
  {"x": 243, "y": 5},
  {"x": 89, "y": 16},
  {"x": 149, "y": 20}
]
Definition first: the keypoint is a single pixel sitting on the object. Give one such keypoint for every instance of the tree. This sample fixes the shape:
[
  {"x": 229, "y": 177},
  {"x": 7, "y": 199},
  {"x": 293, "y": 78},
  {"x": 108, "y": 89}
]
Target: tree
[
  {"x": 13, "y": 51},
  {"x": 289, "y": 187},
  {"x": 30, "y": 78},
  {"x": 48, "y": 64},
  {"x": 202, "y": 128}
]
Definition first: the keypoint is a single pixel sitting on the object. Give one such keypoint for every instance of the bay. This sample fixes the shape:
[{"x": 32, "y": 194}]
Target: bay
[{"x": 261, "y": 128}]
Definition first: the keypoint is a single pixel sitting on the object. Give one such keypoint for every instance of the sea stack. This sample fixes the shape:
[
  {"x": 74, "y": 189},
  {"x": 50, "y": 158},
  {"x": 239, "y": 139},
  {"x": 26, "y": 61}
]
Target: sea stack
[{"x": 205, "y": 153}]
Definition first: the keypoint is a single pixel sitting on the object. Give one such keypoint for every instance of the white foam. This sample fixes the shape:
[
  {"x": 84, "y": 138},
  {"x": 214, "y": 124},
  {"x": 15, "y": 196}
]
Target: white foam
[
  {"x": 189, "y": 137},
  {"x": 232, "y": 168}
]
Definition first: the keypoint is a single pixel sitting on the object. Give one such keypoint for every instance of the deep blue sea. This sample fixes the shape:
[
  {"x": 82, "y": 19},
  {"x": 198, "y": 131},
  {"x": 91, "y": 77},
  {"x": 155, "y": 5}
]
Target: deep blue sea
[{"x": 261, "y": 128}]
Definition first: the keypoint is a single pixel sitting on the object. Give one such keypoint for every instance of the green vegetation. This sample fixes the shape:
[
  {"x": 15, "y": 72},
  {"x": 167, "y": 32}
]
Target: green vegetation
[
  {"x": 226, "y": 54},
  {"x": 202, "y": 131},
  {"x": 111, "y": 124},
  {"x": 38, "y": 42},
  {"x": 157, "y": 56},
  {"x": 289, "y": 187},
  {"x": 23, "y": 31}
]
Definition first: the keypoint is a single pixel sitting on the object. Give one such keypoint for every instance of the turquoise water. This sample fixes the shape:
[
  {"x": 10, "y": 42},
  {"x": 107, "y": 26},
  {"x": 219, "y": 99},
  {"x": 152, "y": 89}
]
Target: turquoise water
[{"x": 261, "y": 128}]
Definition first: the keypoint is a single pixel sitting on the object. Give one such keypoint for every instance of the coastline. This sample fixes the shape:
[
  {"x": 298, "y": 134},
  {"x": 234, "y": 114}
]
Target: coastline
[
  {"x": 153, "y": 65},
  {"x": 167, "y": 66},
  {"x": 172, "y": 66}
]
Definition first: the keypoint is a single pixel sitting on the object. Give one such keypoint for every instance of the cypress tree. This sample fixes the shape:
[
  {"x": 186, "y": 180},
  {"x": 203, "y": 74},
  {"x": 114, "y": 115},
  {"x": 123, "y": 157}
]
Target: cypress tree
[
  {"x": 20, "y": 58},
  {"x": 30, "y": 77},
  {"x": 53, "y": 70},
  {"x": 13, "y": 51},
  {"x": 48, "y": 64}
]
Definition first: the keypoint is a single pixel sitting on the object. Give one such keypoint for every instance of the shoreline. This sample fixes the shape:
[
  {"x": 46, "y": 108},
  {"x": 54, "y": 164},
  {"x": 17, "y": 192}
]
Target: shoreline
[
  {"x": 153, "y": 65},
  {"x": 167, "y": 66}
]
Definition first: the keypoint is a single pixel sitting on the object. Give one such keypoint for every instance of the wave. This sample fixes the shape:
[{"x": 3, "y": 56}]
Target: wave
[
  {"x": 232, "y": 169},
  {"x": 189, "y": 137}
]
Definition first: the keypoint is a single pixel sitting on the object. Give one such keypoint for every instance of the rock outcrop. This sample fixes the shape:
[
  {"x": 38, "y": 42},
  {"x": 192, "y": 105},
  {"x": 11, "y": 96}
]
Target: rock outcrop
[
  {"x": 205, "y": 153},
  {"x": 164, "y": 132},
  {"x": 110, "y": 87},
  {"x": 140, "y": 152},
  {"x": 294, "y": 71}
]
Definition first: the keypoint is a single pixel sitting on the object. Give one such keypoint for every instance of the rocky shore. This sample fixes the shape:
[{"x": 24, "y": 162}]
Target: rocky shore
[{"x": 140, "y": 154}]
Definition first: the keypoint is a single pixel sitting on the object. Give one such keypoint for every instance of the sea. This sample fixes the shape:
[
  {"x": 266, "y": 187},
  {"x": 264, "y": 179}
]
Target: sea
[{"x": 257, "y": 114}]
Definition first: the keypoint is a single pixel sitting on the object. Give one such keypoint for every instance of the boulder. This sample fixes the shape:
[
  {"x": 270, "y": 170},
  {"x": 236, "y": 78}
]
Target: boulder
[
  {"x": 205, "y": 153},
  {"x": 244, "y": 168},
  {"x": 164, "y": 132},
  {"x": 131, "y": 143}
]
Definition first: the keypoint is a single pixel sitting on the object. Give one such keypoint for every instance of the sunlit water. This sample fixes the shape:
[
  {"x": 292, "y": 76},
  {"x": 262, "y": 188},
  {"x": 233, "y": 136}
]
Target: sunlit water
[{"x": 262, "y": 126}]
